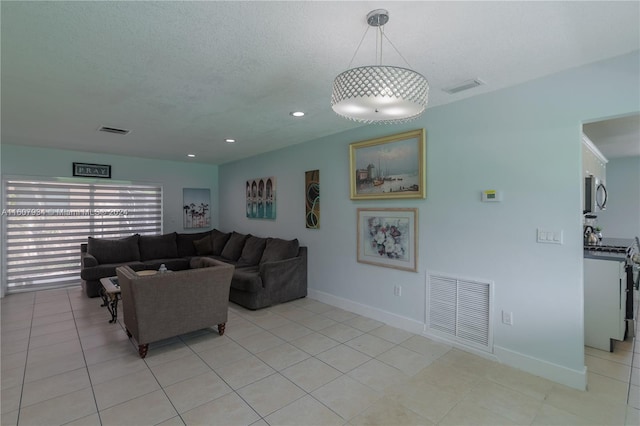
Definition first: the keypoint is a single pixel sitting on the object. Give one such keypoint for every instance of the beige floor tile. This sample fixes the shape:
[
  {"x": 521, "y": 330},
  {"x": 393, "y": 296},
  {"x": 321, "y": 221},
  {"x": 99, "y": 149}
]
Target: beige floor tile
[
  {"x": 12, "y": 377},
  {"x": 620, "y": 356},
  {"x": 428, "y": 400},
  {"x": 370, "y": 345},
  {"x": 343, "y": 358},
  {"x": 634, "y": 397},
  {"x": 468, "y": 413},
  {"x": 525, "y": 383},
  {"x": 612, "y": 369},
  {"x": 10, "y": 418},
  {"x": 207, "y": 342},
  {"x": 224, "y": 354},
  {"x": 389, "y": 412},
  {"x": 117, "y": 335},
  {"x": 14, "y": 360},
  {"x": 363, "y": 323},
  {"x": 180, "y": 369},
  {"x": 52, "y": 328},
  {"x": 196, "y": 391},
  {"x": 90, "y": 420},
  {"x": 59, "y": 410},
  {"x": 10, "y": 399},
  {"x": 148, "y": 409},
  {"x": 260, "y": 342},
  {"x": 53, "y": 338},
  {"x": 52, "y": 366},
  {"x": 549, "y": 415},
  {"x": 116, "y": 367},
  {"x": 15, "y": 346},
  {"x": 504, "y": 401},
  {"x": 241, "y": 373},
  {"x": 11, "y": 337},
  {"x": 391, "y": 334},
  {"x": 635, "y": 376},
  {"x": 229, "y": 409},
  {"x": 11, "y": 326},
  {"x": 171, "y": 352},
  {"x": 378, "y": 375},
  {"x": 632, "y": 417},
  {"x": 173, "y": 421},
  {"x": 122, "y": 389},
  {"x": 270, "y": 321},
  {"x": 606, "y": 388},
  {"x": 291, "y": 331},
  {"x": 51, "y": 387},
  {"x": 405, "y": 360},
  {"x": 296, "y": 314},
  {"x": 314, "y": 343},
  {"x": 51, "y": 318},
  {"x": 45, "y": 353},
  {"x": 346, "y": 396},
  {"x": 282, "y": 356},
  {"x": 447, "y": 377},
  {"x": 341, "y": 332},
  {"x": 317, "y": 322},
  {"x": 241, "y": 328},
  {"x": 426, "y": 346},
  {"x": 311, "y": 374},
  {"x": 270, "y": 394},
  {"x": 586, "y": 405},
  {"x": 308, "y": 408},
  {"x": 469, "y": 362},
  {"x": 339, "y": 315},
  {"x": 317, "y": 307}
]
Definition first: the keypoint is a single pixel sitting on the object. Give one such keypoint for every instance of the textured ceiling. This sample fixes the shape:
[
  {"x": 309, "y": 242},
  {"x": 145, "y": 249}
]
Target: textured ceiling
[{"x": 183, "y": 76}]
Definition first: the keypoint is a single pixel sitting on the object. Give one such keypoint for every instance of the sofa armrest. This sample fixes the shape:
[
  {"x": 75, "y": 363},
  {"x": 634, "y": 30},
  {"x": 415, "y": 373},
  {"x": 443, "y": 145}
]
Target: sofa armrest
[
  {"x": 284, "y": 275},
  {"x": 88, "y": 260}
]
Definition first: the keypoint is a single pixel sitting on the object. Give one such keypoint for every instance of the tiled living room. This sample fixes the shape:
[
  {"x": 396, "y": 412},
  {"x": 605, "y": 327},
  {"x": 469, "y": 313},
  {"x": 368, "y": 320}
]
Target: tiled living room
[
  {"x": 298, "y": 363},
  {"x": 441, "y": 279}
]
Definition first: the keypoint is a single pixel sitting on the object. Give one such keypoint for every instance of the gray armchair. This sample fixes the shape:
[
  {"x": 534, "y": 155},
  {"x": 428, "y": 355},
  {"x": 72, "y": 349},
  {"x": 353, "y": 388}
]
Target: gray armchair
[{"x": 168, "y": 304}]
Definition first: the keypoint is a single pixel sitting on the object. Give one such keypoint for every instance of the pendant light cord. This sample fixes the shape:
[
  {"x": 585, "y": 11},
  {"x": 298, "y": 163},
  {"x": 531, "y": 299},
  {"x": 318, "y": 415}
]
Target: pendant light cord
[
  {"x": 381, "y": 35},
  {"x": 358, "y": 48}
]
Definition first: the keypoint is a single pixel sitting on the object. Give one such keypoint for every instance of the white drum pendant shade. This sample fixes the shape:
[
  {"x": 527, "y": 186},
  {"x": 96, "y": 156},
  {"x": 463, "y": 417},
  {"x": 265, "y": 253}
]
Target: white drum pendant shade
[{"x": 380, "y": 94}]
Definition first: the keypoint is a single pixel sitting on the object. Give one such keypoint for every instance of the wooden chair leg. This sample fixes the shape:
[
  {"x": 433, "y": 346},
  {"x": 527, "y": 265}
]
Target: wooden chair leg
[
  {"x": 142, "y": 350},
  {"x": 221, "y": 328}
]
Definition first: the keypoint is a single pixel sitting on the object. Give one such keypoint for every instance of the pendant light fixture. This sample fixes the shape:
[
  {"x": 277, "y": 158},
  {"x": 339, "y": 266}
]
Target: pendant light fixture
[{"x": 379, "y": 93}]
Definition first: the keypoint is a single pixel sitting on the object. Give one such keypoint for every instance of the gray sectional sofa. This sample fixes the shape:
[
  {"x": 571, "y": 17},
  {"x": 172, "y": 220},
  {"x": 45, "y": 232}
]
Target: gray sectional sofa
[{"x": 267, "y": 271}]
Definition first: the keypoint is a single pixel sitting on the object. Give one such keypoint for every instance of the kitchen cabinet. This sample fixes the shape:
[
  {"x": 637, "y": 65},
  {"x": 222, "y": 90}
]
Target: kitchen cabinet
[
  {"x": 604, "y": 302},
  {"x": 593, "y": 162}
]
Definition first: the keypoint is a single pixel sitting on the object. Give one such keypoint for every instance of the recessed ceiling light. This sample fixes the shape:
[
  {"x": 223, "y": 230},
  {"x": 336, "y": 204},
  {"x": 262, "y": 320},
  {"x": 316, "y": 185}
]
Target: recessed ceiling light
[
  {"x": 297, "y": 114},
  {"x": 229, "y": 140},
  {"x": 191, "y": 155}
]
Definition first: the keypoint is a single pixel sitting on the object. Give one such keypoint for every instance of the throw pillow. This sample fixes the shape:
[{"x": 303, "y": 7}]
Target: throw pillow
[
  {"x": 252, "y": 251},
  {"x": 233, "y": 249},
  {"x": 203, "y": 246},
  {"x": 278, "y": 249},
  {"x": 158, "y": 246},
  {"x": 114, "y": 251},
  {"x": 185, "y": 243},
  {"x": 219, "y": 241}
]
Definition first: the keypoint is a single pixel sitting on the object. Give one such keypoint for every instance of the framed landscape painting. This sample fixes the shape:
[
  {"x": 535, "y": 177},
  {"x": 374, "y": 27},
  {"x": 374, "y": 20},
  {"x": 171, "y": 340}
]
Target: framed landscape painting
[
  {"x": 388, "y": 237},
  {"x": 197, "y": 213},
  {"x": 388, "y": 167}
]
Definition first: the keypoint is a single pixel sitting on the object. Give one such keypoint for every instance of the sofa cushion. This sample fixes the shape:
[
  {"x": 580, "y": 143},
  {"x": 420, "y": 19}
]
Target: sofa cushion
[
  {"x": 114, "y": 251},
  {"x": 233, "y": 248},
  {"x": 219, "y": 239},
  {"x": 158, "y": 246},
  {"x": 185, "y": 243},
  {"x": 172, "y": 264},
  {"x": 247, "y": 279},
  {"x": 107, "y": 270},
  {"x": 203, "y": 246},
  {"x": 279, "y": 249},
  {"x": 252, "y": 251}
]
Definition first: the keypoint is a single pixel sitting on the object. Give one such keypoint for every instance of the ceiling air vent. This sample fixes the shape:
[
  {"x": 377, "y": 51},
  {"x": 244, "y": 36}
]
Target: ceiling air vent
[
  {"x": 114, "y": 130},
  {"x": 469, "y": 84}
]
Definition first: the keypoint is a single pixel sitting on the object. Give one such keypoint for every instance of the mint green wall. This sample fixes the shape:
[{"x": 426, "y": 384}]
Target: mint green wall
[
  {"x": 524, "y": 141},
  {"x": 172, "y": 175},
  {"x": 621, "y": 219}
]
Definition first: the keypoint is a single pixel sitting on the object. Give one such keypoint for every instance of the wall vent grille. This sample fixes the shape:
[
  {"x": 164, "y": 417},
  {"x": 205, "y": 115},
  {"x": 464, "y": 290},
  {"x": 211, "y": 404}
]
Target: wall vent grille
[
  {"x": 460, "y": 310},
  {"x": 114, "y": 130},
  {"x": 469, "y": 84}
]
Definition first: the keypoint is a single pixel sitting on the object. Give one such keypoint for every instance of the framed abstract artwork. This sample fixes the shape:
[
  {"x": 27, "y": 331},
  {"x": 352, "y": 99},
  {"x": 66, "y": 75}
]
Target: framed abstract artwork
[
  {"x": 388, "y": 237},
  {"x": 261, "y": 198},
  {"x": 388, "y": 167},
  {"x": 312, "y": 199}
]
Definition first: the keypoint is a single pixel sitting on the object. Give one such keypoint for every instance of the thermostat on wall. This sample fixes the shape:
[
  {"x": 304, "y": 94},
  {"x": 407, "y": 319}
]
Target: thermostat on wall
[{"x": 491, "y": 196}]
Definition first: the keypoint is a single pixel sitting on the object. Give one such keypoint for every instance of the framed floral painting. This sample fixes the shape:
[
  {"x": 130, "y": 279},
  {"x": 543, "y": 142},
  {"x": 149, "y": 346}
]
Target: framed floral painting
[{"x": 388, "y": 237}]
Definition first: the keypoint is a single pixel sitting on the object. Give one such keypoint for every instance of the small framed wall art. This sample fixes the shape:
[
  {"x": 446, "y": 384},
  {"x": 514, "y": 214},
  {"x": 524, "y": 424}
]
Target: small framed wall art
[
  {"x": 312, "y": 199},
  {"x": 261, "y": 198},
  {"x": 388, "y": 237},
  {"x": 388, "y": 167},
  {"x": 197, "y": 213},
  {"x": 92, "y": 170}
]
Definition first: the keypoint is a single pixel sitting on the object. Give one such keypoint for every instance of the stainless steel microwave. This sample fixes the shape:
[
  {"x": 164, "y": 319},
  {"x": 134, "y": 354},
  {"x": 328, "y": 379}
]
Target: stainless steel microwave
[{"x": 595, "y": 195}]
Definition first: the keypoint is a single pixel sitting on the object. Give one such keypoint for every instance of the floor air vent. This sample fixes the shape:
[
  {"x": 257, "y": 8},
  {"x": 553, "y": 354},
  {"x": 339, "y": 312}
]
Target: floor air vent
[{"x": 460, "y": 310}]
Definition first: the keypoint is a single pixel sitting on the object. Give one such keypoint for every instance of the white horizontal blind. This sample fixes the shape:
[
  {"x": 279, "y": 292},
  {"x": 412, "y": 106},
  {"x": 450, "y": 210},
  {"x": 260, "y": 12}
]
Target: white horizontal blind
[{"x": 45, "y": 221}]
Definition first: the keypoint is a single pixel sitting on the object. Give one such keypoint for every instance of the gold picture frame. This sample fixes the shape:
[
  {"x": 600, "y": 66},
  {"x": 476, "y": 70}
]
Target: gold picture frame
[
  {"x": 389, "y": 167},
  {"x": 388, "y": 237}
]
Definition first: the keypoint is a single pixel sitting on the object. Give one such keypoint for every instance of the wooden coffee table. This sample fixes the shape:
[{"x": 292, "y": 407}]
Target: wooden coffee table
[{"x": 110, "y": 294}]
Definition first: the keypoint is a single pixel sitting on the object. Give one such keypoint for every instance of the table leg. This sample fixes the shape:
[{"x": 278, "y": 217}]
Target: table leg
[{"x": 113, "y": 308}]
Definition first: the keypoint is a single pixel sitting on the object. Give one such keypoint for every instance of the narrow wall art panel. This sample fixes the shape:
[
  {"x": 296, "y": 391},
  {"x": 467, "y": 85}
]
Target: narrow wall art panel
[
  {"x": 196, "y": 207},
  {"x": 261, "y": 198},
  {"x": 312, "y": 199}
]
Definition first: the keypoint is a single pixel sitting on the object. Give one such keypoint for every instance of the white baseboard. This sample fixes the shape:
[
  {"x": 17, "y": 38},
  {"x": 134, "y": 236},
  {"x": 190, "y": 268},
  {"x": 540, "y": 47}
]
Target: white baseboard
[
  {"x": 393, "y": 320},
  {"x": 576, "y": 379},
  {"x": 573, "y": 378}
]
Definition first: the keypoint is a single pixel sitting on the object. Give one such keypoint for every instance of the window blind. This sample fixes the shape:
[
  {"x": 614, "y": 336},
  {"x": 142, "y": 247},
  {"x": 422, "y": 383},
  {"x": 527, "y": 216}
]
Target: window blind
[{"x": 45, "y": 221}]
